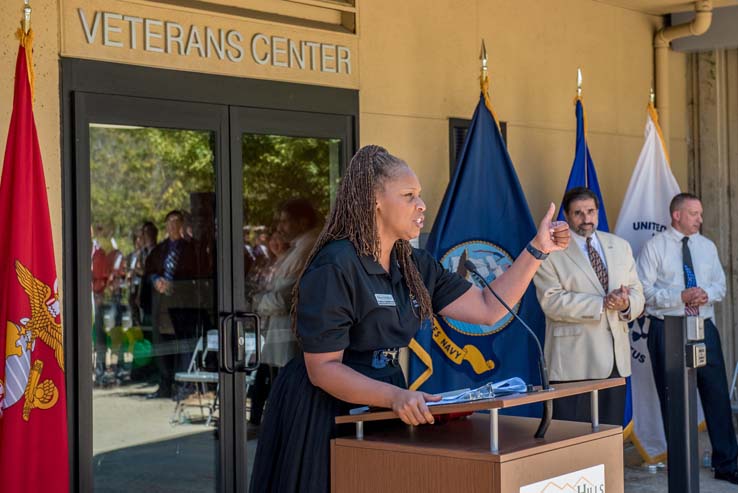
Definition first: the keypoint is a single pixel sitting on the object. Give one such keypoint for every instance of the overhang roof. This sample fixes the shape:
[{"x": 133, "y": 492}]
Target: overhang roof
[{"x": 663, "y": 7}]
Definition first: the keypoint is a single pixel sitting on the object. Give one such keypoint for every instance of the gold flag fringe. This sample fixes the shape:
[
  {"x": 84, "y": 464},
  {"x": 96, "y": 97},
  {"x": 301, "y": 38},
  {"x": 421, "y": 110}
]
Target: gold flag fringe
[
  {"x": 655, "y": 118},
  {"x": 484, "y": 85},
  {"x": 26, "y": 41}
]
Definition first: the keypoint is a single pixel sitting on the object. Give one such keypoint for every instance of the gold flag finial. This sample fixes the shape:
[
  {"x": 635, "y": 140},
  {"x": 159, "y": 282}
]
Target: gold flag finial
[
  {"x": 484, "y": 83},
  {"x": 579, "y": 82},
  {"x": 483, "y": 58},
  {"x": 26, "y": 17}
]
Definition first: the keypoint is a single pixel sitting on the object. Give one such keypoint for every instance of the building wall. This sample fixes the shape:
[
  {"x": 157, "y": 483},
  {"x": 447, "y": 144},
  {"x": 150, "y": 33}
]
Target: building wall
[
  {"x": 419, "y": 65},
  {"x": 713, "y": 91},
  {"x": 418, "y": 68}
]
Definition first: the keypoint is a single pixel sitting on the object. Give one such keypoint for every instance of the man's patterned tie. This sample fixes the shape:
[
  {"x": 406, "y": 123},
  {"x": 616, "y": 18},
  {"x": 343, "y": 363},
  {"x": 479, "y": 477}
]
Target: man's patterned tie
[
  {"x": 690, "y": 280},
  {"x": 598, "y": 265},
  {"x": 172, "y": 259}
]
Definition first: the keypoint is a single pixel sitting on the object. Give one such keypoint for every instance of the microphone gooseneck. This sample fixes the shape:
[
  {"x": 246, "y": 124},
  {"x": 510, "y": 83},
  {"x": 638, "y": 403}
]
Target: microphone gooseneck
[
  {"x": 469, "y": 265},
  {"x": 548, "y": 404}
]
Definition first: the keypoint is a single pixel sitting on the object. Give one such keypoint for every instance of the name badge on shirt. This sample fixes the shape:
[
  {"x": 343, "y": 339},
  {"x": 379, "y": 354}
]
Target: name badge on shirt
[{"x": 385, "y": 300}]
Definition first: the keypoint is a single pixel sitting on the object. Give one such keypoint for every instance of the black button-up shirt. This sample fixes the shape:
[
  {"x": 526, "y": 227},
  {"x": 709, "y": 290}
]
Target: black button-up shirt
[{"x": 349, "y": 301}]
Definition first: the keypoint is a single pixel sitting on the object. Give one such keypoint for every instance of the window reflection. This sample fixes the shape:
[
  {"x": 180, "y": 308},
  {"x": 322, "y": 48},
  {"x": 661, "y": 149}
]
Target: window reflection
[
  {"x": 289, "y": 184},
  {"x": 153, "y": 298}
]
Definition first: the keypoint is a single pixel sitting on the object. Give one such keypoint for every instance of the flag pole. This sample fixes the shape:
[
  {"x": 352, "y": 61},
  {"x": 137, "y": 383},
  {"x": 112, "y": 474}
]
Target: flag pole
[
  {"x": 584, "y": 129},
  {"x": 25, "y": 36},
  {"x": 26, "y": 17},
  {"x": 483, "y": 58},
  {"x": 483, "y": 76}
]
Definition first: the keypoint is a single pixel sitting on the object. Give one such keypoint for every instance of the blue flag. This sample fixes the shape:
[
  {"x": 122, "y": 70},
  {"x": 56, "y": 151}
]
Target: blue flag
[
  {"x": 484, "y": 217},
  {"x": 583, "y": 174}
]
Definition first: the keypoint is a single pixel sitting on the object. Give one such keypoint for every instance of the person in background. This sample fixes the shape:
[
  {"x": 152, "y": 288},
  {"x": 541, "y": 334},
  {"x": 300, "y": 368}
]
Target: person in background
[
  {"x": 144, "y": 241},
  {"x": 589, "y": 292},
  {"x": 101, "y": 272},
  {"x": 259, "y": 391},
  {"x": 149, "y": 237},
  {"x": 171, "y": 261},
  {"x": 298, "y": 225},
  {"x": 117, "y": 282},
  {"x": 133, "y": 278},
  {"x": 682, "y": 276}
]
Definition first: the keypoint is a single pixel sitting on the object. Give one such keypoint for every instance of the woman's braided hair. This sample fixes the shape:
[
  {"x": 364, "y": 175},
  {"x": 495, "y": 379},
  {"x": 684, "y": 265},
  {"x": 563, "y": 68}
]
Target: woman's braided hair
[{"x": 353, "y": 218}]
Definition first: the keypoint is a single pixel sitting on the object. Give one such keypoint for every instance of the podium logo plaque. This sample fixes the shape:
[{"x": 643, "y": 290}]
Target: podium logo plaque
[{"x": 590, "y": 480}]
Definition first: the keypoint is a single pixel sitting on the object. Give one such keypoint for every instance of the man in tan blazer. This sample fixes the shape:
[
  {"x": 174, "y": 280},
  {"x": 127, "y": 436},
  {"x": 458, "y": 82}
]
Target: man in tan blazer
[{"x": 589, "y": 292}]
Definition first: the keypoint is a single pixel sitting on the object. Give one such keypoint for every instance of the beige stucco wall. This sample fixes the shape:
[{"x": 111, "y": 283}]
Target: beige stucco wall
[{"x": 419, "y": 65}]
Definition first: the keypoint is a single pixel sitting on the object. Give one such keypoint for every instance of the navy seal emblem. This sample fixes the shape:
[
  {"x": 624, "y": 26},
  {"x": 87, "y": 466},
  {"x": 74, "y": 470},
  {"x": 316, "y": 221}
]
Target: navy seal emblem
[{"x": 491, "y": 261}]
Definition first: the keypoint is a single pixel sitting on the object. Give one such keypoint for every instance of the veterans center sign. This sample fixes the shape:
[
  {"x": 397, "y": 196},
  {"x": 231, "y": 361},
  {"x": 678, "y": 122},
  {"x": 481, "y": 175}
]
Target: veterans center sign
[{"x": 179, "y": 38}]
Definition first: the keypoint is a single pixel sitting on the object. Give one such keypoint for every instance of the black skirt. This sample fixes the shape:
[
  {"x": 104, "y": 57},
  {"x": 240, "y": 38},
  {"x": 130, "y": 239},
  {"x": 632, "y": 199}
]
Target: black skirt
[{"x": 293, "y": 453}]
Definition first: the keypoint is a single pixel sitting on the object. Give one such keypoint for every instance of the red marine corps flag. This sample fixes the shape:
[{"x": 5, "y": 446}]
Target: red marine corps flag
[{"x": 33, "y": 418}]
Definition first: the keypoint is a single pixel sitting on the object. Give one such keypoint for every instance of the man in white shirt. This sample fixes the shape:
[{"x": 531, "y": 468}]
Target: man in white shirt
[
  {"x": 589, "y": 292},
  {"x": 682, "y": 275}
]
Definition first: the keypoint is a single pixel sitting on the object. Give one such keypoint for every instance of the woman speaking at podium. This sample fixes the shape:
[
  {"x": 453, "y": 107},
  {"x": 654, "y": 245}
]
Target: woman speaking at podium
[{"x": 362, "y": 295}]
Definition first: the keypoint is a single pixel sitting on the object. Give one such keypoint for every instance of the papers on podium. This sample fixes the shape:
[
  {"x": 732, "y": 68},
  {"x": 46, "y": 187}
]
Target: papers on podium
[{"x": 490, "y": 390}]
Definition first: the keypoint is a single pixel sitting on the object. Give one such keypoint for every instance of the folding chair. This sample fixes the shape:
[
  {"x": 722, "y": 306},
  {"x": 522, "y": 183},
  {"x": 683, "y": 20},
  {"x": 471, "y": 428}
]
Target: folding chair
[{"x": 200, "y": 378}]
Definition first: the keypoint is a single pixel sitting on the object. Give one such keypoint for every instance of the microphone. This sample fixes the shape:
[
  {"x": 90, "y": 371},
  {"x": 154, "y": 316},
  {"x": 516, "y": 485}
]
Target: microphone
[
  {"x": 542, "y": 369},
  {"x": 469, "y": 265}
]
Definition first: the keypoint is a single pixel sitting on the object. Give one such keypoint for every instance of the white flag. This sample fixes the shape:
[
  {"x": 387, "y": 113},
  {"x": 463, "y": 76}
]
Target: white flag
[
  {"x": 645, "y": 212},
  {"x": 645, "y": 209}
]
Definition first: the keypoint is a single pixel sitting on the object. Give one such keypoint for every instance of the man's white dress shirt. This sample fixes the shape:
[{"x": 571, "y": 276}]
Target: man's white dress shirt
[
  {"x": 582, "y": 243},
  {"x": 660, "y": 268}
]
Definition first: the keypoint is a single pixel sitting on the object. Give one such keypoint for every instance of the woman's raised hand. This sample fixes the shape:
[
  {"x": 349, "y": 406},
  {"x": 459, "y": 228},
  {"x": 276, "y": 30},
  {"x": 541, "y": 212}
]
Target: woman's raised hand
[
  {"x": 552, "y": 235},
  {"x": 411, "y": 408}
]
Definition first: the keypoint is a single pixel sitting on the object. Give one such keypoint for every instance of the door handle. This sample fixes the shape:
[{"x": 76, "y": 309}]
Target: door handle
[
  {"x": 232, "y": 356},
  {"x": 242, "y": 339},
  {"x": 224, "y": 359}
]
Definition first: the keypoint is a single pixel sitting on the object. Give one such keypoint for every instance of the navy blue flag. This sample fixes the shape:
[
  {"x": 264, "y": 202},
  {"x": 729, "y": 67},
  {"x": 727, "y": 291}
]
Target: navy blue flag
[
  {"x": 484, "y": 217},
  {"x": 583, "y": 172}
]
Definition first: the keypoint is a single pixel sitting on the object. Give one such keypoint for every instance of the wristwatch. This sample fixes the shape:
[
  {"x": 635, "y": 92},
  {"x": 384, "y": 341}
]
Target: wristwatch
[{"x": 536, "y": 252}]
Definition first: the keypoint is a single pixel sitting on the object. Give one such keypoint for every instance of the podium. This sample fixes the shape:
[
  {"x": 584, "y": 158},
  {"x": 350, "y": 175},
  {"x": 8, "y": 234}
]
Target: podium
[{"x": 483, "y": 452}]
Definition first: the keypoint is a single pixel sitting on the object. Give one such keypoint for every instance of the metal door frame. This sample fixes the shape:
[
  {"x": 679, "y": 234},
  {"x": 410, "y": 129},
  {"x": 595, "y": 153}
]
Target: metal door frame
[{"x": 105, "y": 92}]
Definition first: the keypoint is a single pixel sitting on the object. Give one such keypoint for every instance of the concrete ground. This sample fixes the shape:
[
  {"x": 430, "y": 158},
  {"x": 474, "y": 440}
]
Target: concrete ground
[
  {"x": 639, "y": 479},
  {"x": 137, "y": 447}
]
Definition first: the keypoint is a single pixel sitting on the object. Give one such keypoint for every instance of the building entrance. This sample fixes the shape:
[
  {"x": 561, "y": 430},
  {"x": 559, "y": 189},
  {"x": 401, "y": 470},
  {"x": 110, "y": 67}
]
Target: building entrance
[{"x": 188, "y": 223}]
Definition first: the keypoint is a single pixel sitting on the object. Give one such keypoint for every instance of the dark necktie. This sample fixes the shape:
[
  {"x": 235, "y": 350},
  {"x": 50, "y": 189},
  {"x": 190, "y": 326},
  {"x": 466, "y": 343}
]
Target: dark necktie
[
  {"x": 171, "y": 260},
  {"x": 690, "y": 280},
  {"x": 598, "y": 265}
]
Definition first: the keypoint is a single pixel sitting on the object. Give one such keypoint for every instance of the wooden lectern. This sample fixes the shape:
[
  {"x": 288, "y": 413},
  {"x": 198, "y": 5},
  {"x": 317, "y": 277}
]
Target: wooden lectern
[{"x": 481, "y": 453}]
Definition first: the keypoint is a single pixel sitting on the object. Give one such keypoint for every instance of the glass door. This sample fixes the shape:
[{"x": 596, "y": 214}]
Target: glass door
[
  {"x": 191, "y": 222},
  {"x": 286, "y": 168},
  {"x": 154, "y": 269}
]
